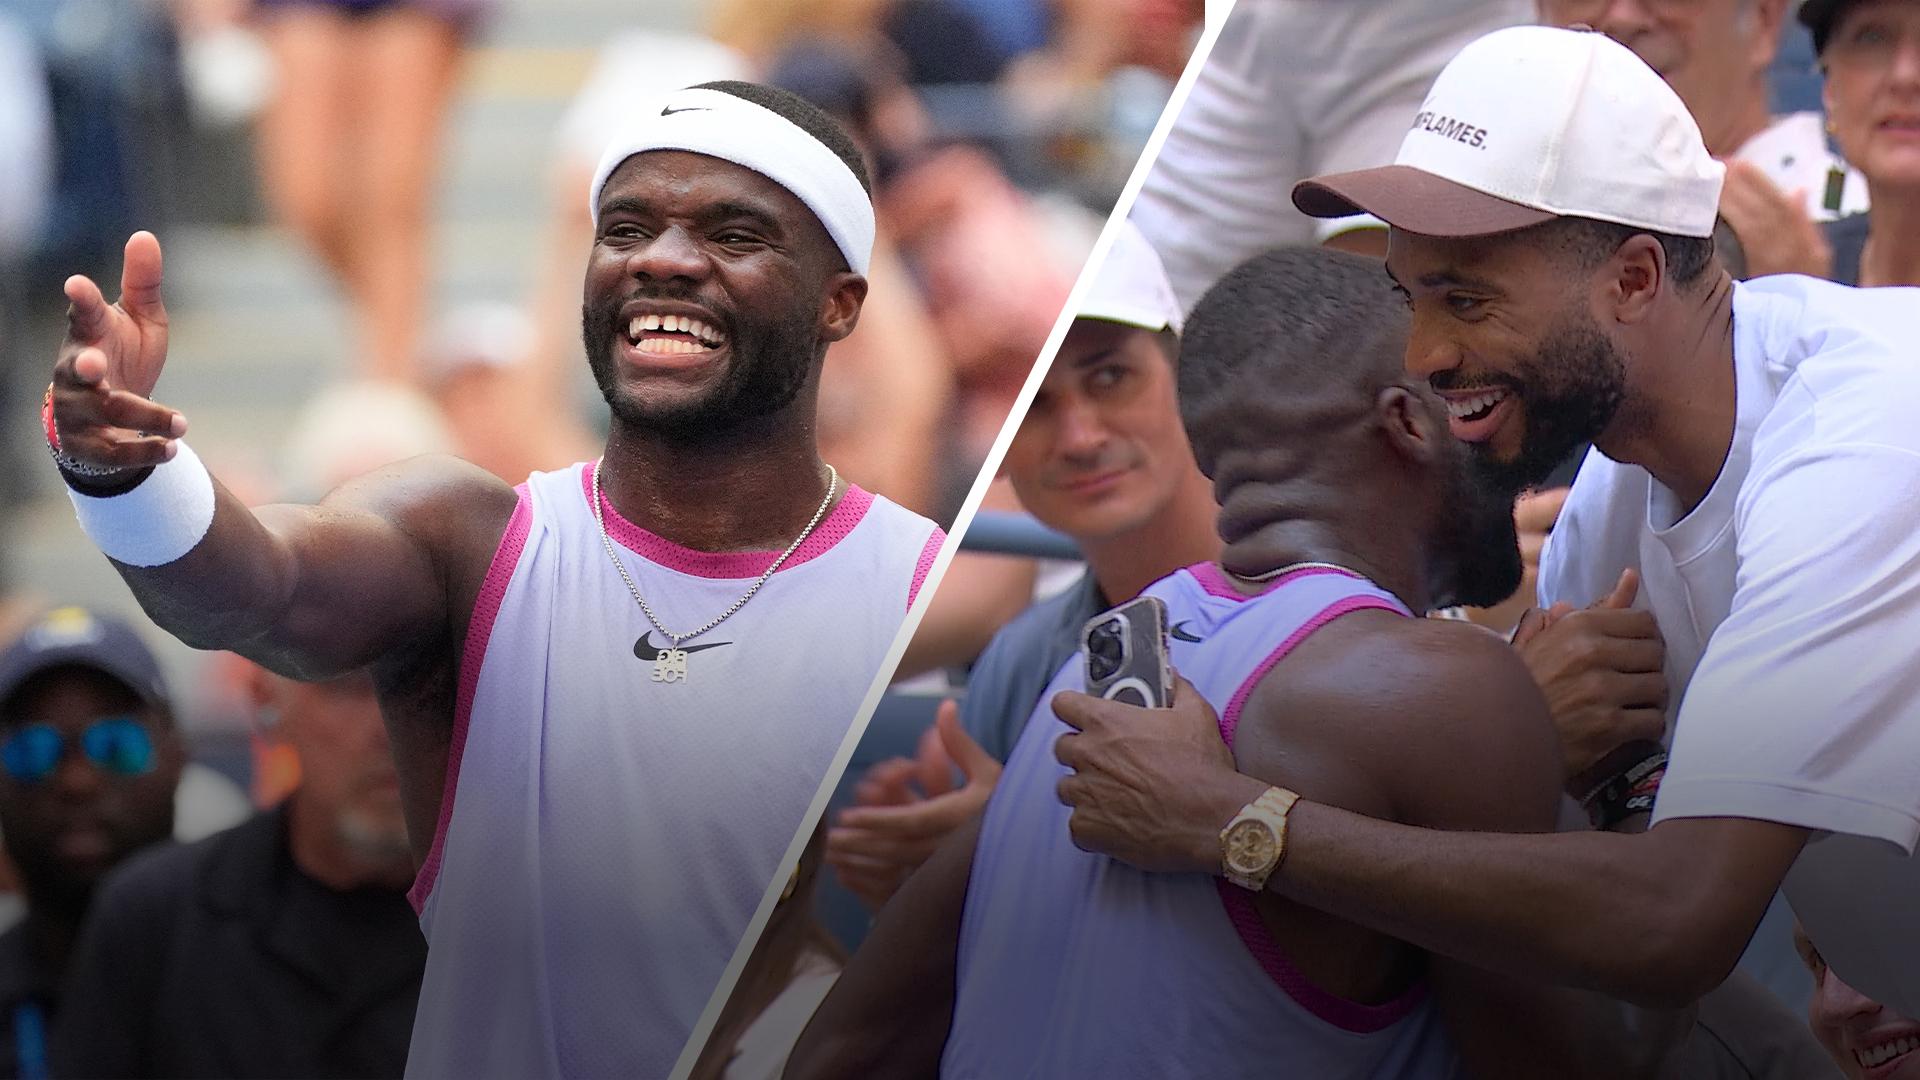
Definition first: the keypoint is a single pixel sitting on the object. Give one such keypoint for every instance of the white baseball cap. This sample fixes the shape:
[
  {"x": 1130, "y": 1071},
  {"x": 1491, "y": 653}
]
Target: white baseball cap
[
  {"x": 1131, "y": 286},
  {"x": 1531, "y": 123}
]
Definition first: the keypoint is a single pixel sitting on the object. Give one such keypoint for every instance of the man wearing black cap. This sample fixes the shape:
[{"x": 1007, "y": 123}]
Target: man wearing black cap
[
  {"x": 88, "y": 764},
  {"x": 602, "y": 766}
]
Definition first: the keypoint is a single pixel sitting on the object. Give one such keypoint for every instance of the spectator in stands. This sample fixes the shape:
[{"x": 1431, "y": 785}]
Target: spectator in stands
[
  {"x": 283, "y": 946},
  {"x": 1870, "y": 53},
  {"x": 350, "y": 146},
  {"x": 1102, "y": 457},
  {"x": 1781, "y": 178},
  {"x": 88, "y": 762},
  {"x": 1865, "y": 1038}
]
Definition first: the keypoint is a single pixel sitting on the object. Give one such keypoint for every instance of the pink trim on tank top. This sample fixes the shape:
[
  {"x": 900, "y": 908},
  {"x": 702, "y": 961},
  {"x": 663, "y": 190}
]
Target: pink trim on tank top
[
  {"x": 928, "y": 552},
  {"x": 486, "y": 608},
  {"x": 1241, "y": 911},
  {"x": 833, "y": 528},
  {"x": 1216, "y": 583}
]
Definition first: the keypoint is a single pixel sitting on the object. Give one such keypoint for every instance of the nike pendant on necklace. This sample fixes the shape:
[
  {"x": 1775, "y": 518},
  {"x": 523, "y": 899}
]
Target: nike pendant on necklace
[
  {"x": 670, "y": 663},
  {"x": 670, "y": 666}
]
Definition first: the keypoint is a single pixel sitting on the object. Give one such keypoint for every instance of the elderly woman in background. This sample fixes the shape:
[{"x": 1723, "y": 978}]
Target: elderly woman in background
[{"x": 1870, "y": 52}]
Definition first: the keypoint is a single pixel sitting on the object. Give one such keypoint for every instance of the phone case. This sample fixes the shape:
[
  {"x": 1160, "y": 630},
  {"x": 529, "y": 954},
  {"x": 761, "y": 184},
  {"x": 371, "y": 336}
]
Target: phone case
[{"x": 1126, "y": 654}]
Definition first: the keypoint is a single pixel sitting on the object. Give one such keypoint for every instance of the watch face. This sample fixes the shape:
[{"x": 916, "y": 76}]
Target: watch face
[{"x": 1251, "y": 847}]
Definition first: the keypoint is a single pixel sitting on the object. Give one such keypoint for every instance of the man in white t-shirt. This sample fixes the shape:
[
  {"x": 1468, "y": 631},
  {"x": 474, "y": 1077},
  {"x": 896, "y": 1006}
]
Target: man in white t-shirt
[{"x": 1762, "y": 472}]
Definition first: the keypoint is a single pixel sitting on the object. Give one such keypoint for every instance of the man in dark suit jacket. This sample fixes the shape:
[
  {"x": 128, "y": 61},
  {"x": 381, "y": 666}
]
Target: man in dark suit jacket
[{"x": 281, "y": 947}]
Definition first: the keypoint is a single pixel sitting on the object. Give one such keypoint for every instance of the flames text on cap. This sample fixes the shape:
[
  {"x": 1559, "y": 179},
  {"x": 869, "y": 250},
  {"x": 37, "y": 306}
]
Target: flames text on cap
[{"x": 1448, "y": 128}]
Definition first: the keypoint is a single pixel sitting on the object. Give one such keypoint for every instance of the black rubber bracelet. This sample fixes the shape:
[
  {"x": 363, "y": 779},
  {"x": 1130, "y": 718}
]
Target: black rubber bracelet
[
  {"x": 105, "y": 487},
  {"x": 1615, "y": 801}
]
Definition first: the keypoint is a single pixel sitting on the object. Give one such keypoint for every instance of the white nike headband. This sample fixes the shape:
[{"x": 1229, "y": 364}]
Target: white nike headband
[{"x": 718, "y": 124}]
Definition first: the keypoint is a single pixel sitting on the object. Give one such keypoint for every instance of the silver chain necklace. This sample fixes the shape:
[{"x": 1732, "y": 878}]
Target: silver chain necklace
[
  {"x": 670, "y": 665},
  {"x": 1255, "y": 579}
]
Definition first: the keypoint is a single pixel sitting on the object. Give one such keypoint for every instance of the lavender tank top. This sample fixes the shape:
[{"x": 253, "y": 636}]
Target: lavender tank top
[
  {"x": 605, "y": 838},
  {"x": 1073, "y": 964}
]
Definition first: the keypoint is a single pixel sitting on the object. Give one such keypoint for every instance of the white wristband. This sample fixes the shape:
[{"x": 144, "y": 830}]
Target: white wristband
[{"x": 158, "y": 520}]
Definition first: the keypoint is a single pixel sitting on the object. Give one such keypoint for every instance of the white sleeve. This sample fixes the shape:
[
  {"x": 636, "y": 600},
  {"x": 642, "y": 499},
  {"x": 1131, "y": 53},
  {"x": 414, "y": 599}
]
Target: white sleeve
[
  {"x": 1805, "y": 708},
  {"x": 1217, "y": 193}
]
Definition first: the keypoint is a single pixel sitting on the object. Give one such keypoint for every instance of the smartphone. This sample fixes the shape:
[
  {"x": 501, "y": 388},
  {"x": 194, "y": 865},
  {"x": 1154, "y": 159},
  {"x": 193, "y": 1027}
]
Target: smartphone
[{"x": 1126, "y": 650}]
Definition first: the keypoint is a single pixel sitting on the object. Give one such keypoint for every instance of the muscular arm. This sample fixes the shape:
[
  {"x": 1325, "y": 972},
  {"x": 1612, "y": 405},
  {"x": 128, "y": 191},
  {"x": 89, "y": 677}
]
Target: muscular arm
[
  {"x": 315, "y": 591},
  {"x": 1439, "y": 725},
  {"x": 1657, "y": 918},
  {"x": 307, "y": 591},
  {"x": 890, "y": 1010}
]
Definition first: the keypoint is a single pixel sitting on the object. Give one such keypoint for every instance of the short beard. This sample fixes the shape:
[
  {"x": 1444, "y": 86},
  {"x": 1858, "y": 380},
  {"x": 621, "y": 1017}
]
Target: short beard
[
  {"x": 1477, "y": 550},
  {"x": 1572, "y": 388},
  {"x": 770, "y": 366}
]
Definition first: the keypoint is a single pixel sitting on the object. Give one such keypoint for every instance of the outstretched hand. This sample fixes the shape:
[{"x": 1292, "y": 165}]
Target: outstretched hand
[
  {"x": 1150, "y": 787},
  {"x": 108, "y": 366}
]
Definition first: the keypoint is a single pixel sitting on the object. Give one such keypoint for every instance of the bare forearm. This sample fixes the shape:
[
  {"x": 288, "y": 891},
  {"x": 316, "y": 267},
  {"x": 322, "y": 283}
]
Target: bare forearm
[
  {"x": 309, "y": 591},
  {"x": 1649, "y": 919},
  {"x": 228, "y": 592}
]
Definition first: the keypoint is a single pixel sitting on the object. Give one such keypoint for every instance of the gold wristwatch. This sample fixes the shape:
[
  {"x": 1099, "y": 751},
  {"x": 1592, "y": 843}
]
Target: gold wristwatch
[{"x": 1253, "y": 843}]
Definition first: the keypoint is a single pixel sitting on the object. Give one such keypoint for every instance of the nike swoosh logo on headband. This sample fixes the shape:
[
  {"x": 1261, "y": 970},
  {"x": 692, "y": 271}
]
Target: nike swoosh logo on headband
[{"x": 670, "y": 110}]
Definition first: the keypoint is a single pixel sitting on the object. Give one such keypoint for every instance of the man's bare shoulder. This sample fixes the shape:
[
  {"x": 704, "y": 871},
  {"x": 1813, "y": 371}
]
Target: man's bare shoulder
[
  {"x": 1421, "y": 703},
  {"x": 447, "y": 504},
  {"x": 1403, "y": 671}
]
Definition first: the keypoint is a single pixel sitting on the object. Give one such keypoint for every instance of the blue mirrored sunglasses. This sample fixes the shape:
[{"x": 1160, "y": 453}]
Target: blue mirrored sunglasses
[{"x": 118, "y": 744}]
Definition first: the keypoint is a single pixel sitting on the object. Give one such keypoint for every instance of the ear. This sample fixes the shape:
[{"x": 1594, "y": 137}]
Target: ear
[
  {"x": 1410, "y": 424},
  {"x": 840, "y": 311},
  {"x": 1632, "y": 279},
  {"x": 1767, "y": 16}
]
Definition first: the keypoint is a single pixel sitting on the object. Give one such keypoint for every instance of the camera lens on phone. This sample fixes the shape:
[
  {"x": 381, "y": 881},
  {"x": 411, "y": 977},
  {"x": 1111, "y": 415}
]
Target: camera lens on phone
[{"x": 1106, "y": 649}]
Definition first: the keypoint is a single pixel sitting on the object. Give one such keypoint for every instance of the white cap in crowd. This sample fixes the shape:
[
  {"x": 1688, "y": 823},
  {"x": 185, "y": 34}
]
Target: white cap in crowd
[
  {"x": 1131, "y": 286},
  {"x": 1532, "y": 123}
]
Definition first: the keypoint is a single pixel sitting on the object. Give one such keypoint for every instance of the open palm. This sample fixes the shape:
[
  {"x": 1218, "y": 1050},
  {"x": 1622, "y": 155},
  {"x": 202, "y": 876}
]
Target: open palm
[{"x": 108, "y": 366}]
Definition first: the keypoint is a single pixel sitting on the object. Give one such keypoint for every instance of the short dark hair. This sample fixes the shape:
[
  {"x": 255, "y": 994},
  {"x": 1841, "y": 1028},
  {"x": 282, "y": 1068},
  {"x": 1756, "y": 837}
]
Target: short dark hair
[
  {"x": 1590, "y": 242},
  {"x": 804, "y": 115},
  {"x": 1322, "y": 329}
]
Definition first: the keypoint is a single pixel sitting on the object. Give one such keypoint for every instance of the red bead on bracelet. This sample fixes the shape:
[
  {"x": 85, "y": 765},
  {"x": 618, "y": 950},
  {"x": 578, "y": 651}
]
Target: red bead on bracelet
[{"x": 46, "y": 420}]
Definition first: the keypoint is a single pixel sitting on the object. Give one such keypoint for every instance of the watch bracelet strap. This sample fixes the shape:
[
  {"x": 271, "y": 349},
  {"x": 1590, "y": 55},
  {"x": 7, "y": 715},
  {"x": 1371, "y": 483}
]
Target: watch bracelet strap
[{"x": 1272, "y": 806}]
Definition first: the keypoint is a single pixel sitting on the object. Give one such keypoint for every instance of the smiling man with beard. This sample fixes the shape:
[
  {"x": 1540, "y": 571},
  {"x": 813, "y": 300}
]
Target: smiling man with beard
[
  {"x": 1759, "y": 467},
  {"x": 1345, "y": 508},
  {"x": 612, "y": 691}
]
